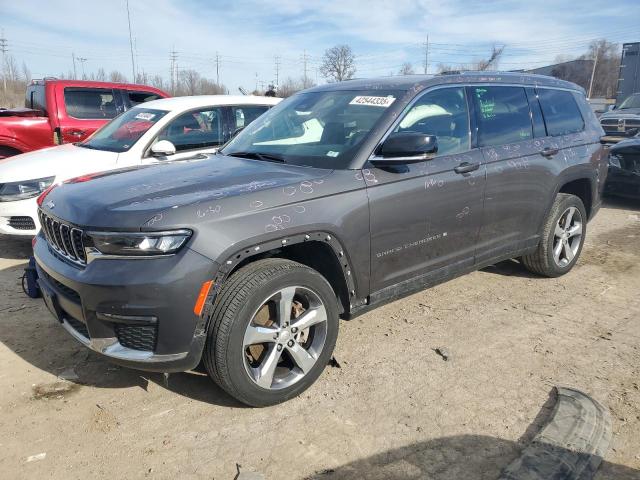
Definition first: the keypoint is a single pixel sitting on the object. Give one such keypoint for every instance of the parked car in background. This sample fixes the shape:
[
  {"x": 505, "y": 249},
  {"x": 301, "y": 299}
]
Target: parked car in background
[
  {"x": 338, "y": 200},
  {"x": 66, "y": 111},
  {"x": 622, "y": 122},
  {"x": 166, "y": 129},
  {"x": 624, "y": 169}
]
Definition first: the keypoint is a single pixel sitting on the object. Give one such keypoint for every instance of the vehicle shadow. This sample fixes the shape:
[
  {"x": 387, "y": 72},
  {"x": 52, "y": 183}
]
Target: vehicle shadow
[
  {"x": 621, "y": 203},
  {"x": 509, "y": 268},
  {"x": 30, "y": 332},
  {"x": 15, "y": 248},
  {"x": 474, "y": 457}
]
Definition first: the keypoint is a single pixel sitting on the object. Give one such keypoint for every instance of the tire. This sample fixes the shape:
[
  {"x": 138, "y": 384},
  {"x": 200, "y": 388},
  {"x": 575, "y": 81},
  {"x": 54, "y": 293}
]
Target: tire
[
  {"x": 6, "y": 152},
  {"x": 545, "y": 261},
  {"x": 258, "y": 291}
]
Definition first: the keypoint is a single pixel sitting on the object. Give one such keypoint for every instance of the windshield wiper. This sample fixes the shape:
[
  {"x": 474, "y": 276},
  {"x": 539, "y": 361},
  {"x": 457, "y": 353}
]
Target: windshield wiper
[{"x": 268, "y": 157}]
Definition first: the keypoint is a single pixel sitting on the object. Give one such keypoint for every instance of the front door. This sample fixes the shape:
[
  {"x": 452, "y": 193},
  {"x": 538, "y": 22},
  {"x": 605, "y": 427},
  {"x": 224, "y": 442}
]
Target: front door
[{"x": 425, "y": 217}]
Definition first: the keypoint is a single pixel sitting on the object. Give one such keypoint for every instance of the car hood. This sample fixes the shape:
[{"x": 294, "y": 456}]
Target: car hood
[
  {"x": 63, "y": 162},
  {"x": 129, "y": 199},
  {"x": 626, "y": 113}
]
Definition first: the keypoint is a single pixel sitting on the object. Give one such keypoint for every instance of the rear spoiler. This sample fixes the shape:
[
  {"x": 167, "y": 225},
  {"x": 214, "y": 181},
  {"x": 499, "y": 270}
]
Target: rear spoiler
[{"x": 20, "y": 112}]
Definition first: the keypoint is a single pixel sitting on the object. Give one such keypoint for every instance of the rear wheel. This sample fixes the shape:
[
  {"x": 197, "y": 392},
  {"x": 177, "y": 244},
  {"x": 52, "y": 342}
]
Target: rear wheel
[
  {"x": 272, "y": 331},
  {"x": 562, "y": 239}
]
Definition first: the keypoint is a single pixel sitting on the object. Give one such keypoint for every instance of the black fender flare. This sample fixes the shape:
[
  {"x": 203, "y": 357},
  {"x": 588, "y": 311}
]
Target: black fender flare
[{"x": 228, "y": 265}]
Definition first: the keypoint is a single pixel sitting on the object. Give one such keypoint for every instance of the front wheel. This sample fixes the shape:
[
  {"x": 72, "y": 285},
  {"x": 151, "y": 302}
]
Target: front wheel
[
  {"x": 272, "y": 331},
  {"x": 562, "y": 238}
]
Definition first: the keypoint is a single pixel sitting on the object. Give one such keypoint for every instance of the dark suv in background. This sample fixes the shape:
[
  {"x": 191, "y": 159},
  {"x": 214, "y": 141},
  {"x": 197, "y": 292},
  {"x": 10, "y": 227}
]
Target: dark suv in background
[{"x": 339, "y": 199}]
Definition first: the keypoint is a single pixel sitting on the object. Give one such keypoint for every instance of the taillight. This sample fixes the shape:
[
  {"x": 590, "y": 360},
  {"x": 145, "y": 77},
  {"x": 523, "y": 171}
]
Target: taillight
[{"x": 42, "y": 196}]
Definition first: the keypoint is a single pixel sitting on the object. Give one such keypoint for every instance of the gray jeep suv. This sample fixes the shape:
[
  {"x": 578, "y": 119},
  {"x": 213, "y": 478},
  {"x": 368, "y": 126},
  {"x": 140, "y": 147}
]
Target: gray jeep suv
[{"x": 339, "y": 199}]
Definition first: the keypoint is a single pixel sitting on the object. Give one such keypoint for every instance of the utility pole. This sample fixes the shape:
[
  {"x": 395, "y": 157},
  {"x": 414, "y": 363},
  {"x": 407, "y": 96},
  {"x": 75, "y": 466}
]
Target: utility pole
[
  {"x": 4, "y": 46},
  {"x": 217, "y": 69},
  {"x": 305, "y": 59},
  {"x": 73, "y": 57},
  {"x": 593, "y": 72},
  {"x": 133, "y": 63},
  {"x": 82, "y": 60},
  {"x": 277, "y": 59},
  {"x": 426, "y": 55},
  {"x": 173, "y": 57}
]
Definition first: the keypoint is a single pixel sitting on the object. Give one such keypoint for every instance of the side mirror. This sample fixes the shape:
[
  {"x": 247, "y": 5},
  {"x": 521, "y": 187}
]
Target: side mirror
[
  {"x": 406, "y": 147},
  {"x": 163, "y": 148}
]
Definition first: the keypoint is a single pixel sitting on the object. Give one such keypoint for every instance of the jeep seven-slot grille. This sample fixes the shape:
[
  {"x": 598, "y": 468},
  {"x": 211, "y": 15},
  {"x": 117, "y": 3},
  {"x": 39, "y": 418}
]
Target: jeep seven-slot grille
[{"x": 64, "y": 239}]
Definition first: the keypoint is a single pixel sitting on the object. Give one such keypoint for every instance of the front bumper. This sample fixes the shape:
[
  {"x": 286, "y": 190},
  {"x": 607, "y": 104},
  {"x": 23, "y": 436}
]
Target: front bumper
[
  {"x": 136, "y": 312},
  {"x": 14, "y": 215}
]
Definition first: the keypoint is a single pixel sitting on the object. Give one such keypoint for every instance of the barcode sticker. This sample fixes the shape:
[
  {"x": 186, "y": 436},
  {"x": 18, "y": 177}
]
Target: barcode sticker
[{"x": 373, "y": 101}]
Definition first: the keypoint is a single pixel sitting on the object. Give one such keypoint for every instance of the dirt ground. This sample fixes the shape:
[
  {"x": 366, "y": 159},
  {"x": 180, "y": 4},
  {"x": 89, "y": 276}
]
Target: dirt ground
[{"x": 395, "y": 409}]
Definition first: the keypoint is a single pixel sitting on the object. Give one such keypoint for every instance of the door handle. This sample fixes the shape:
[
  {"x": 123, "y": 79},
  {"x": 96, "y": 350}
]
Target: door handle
[
  {"x": 549, "y": 152},
  {"x": 77, "y": 133},
  {"x": 466, "y": 167}
]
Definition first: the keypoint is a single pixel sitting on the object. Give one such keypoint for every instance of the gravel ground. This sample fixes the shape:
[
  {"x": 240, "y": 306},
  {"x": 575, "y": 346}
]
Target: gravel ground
[{"x": 393, "y": 409}]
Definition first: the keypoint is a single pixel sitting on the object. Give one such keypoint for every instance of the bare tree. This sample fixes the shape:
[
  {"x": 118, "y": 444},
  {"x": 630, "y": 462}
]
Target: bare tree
[
  {"x": 116, "y": 76},
  {"x": 101, "y": 76},
  {"x": 406, "y": 69},
  {"x": 290, "y": 86},
  {"x": 338, "y": 63},
  {"x": 606, "y": 56},
  {"x": 189, "y": 82},
  {"x": 158, "y": 82},
  {"x": 26, "y": 73},
  {"x": 492, "y": 61}
]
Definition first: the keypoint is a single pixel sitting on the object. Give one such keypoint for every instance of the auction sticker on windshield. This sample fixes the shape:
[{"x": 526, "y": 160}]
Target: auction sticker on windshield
[
  {"x": 373, "y": 101},
  {"x": 145, "y": 116}
]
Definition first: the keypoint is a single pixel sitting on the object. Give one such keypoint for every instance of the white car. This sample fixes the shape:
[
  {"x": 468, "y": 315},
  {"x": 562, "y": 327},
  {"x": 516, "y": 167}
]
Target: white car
[{"x": 166, "y": 129}]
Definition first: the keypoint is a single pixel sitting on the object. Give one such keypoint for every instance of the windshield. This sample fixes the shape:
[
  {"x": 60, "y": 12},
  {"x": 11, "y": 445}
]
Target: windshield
[
  {"x": 631, "y": 102},
  {"x": 319, "y": 129},
  {"x": 122, "y": 132}
]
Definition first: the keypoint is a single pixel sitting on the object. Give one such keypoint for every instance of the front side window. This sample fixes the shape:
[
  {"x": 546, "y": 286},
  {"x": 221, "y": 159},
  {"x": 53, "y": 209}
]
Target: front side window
[
  {"x": 90, "y": 104},
  {"x": 244, "y": 115},
  {"x": 561, "y": 112},
  {"x": 321, "y": 129},
  {"x": 195, "y": 129},
  {"x": 503, "y": 115},
  {"x": 120, "y": 134},
  {"x": 443, "y": 113}
]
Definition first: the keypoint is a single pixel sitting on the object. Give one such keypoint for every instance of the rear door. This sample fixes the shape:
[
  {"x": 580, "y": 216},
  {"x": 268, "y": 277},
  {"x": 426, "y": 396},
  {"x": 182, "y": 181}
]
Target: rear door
[
  {"x": 520, "y": 179},
  {"x": 85, "y": 110},
  {"x": 425, "y": 217}
]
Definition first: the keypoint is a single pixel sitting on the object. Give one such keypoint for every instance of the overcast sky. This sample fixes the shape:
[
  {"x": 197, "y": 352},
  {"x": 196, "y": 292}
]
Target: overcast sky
[{"x": 248, "y": 34}]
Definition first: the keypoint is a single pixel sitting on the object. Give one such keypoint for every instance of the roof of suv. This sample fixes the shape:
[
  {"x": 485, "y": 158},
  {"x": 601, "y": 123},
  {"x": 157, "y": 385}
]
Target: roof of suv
[{"x": 419, "y": 82}]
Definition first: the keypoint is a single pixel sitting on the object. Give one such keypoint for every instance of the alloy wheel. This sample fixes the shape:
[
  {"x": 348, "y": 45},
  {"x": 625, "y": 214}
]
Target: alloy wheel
[
  {"x": 285, "y": 337},
  {"x": 567, "y": 237}
]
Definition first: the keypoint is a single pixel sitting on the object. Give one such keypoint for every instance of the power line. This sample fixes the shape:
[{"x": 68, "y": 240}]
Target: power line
[{"x": 305, "y": 59}]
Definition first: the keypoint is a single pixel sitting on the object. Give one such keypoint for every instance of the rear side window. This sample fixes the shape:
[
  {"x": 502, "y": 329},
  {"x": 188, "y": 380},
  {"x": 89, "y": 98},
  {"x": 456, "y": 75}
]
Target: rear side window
[
  {"x": 244, "y": 115},
  {"x": 136, "y": 98},
  {"x": 503, "y": 115},
  {"x": 561, "y": 112},
  {"x": 196, "y": 129},
  {"x": 95, "y": 103}
]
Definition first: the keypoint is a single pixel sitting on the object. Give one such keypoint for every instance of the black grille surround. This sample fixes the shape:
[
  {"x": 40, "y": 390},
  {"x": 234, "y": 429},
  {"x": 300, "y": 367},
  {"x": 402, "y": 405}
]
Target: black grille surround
[
  {"x": 68, "y": 292},
  {"x": 22, "y": 223},
  {"x": 78, "y": 326},
  {"x": 65, "y": 239},
  {"x": 137, "y": 337}
]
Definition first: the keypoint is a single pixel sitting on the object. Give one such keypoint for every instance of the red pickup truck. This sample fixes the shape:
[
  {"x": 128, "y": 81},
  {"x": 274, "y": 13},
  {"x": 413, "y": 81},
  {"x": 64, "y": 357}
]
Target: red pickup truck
[{"x": 66, "y": 111}]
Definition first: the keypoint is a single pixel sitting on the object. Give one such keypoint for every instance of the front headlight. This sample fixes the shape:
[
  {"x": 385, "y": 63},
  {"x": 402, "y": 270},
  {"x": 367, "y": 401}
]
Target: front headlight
[
  {"x": 614, "y": 160},
  {"x": 13, "y": 191},
  {"x": 138, "y": 244}
]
